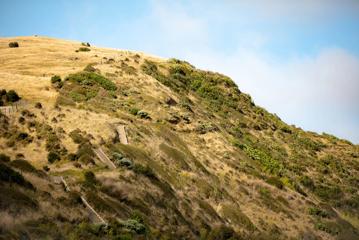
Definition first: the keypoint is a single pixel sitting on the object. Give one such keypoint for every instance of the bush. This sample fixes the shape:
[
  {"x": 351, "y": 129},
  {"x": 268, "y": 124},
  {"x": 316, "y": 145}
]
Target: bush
[
  {"x": 86, "y": 44},
  {"x": 38, "y": 105},
  {"x": 134, "y": 111},
  {"x": 90, "y": 79},
  {"x": 72, "y": 156},
  {"x": 12, "y": 96},
  {"x": 318, "y": 212},
  {"x": 275, "y": 181},
  {"x": 22, "y": 136},
  {"x": 269, "y": 164},
  {"x": 55, "y": 79},
  {"x": 53, "y": 157},
  {"x": 4, "y": 158},
  {"x": 14, "y": 45},
  {"x": 143, "y": 114},
  {"x": 329, "y": 227},
  {"x": 75, "y": 198},
  {"x": 117, "y": 156},
  {"x": 328, "y": 192},
  {"x": 135, "y": 226},
  {"x": 84, "y": 49},
  {"x": 144, "y": 170},
  {"x": 124, "y": 162},
  {"x": 77, "y": 136},
  {"x": 307, "y": 182},
  {"x": 90, "y": 179},
  {"x": 85, "y": 152}
]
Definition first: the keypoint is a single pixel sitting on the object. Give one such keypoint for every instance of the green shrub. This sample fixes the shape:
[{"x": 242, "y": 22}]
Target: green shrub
[
  {"x": 85, "y": 149},
  {"x": 90, "y": 179},
  {"x": 53, "y": 143},
  {"x": 91, "y": 79},
  {"x": 2, "y": 92},
  {"x": 117, "y": 156},
  {"x": 275, "y": 181},
  {"x": 125, "y": 162},
  {"x": 77, "y": 136},
  {"x": 12, "y": 96},
  {"x": 38, "y": 105},
  {"x": 328, "y": 192},
  {"x": 75, "y": 198},
  {"x": 307, "y": 182},
  {"x": 86, "y": 44},
  {"x": 310, "y": 144},
  {"x": 203, "y": 128},
  {"x": 53, "y": 157},
  {"x": 84, "y": 49},
  {"x": 4, "y": 158},
  {"x": 286, "y": 129},
  {"x": 329, "y": 227},
  {"x": 143, "y": 114},
  {"x": 13, "y": 44},
  {"x": 22, "y": 136},
  {"x": 318, "y": 212},
  {"x": 134, "y": 111},
  {"x": 72, "y": 157},
  {"x": 269, "y": 164},
  {"x": 134, "y": 225},
  {"x": 55, "y": 79},
  {"x": 144, "y": 170}
]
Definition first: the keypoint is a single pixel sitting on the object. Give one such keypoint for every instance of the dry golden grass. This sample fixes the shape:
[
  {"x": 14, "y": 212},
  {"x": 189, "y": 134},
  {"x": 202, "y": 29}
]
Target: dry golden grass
[{"x": 28, "y": 70}]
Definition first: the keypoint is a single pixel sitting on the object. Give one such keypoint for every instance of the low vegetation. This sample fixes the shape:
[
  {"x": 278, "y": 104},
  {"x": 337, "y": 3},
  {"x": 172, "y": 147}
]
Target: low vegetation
[
  {"x": 83, "y": 49},
  {"x": 8, "y": 97},
  {"x": 13, "y": 45}
]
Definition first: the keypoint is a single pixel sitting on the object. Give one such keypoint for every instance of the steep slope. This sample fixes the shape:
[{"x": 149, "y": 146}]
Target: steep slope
[{"x": 202, "y": 160}]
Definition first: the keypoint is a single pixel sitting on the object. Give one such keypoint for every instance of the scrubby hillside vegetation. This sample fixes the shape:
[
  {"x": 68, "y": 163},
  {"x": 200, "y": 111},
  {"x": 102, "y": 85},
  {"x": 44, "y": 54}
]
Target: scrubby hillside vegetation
[{"x": 159, "y": 150}]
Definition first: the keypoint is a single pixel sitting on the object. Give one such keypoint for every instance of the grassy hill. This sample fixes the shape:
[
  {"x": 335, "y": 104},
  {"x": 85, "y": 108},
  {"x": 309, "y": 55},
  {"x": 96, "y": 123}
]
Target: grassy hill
[{"x": 203, "y": 161}]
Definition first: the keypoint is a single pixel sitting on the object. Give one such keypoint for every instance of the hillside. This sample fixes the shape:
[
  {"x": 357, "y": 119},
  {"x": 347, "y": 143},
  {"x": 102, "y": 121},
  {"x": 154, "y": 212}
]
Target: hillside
[{"x": 160, "y": 150}]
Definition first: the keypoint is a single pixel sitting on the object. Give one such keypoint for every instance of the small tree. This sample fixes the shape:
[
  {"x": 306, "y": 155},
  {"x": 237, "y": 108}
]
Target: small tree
[
  {"x": 14, "y": 45},
  {"x": 12, "y": 96},
  {"x": 90, "y": 179},
  {"x": 55, "y": 79},
  {"x": 53, "y": 157},
  {"x": 84, "y": 49}
]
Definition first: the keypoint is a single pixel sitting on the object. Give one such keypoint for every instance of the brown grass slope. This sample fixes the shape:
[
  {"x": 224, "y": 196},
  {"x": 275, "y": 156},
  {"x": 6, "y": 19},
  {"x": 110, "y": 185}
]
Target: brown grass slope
[{"x": 203, "y": 161}]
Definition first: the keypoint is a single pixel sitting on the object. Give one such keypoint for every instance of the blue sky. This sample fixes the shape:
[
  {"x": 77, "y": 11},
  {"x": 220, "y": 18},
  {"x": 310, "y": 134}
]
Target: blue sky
[{"x": 299, "y": 59}]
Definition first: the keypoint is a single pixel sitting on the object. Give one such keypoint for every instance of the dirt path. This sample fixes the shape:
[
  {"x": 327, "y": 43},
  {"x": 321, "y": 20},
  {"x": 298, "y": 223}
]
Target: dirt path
[
  {"x": 121, "y": 131},
  {"x": 93, "y": 211},
  {"x": 103, "y": 158}
]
